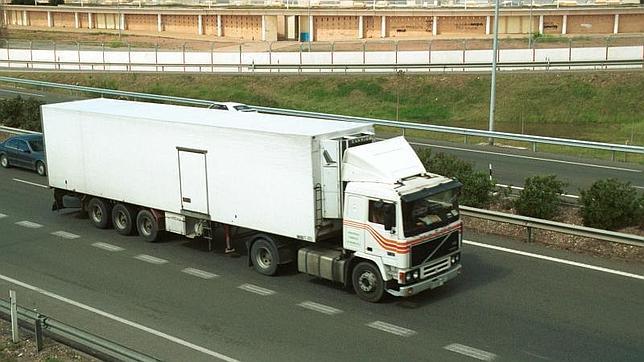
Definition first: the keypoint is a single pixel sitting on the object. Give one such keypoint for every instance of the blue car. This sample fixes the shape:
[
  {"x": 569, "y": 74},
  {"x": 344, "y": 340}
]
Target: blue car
[{"x": 25, "y": 151}]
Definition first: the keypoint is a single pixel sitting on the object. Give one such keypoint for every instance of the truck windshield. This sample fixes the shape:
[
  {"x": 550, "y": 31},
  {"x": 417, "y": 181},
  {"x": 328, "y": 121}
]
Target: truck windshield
[{"x": 430, "y": 212}]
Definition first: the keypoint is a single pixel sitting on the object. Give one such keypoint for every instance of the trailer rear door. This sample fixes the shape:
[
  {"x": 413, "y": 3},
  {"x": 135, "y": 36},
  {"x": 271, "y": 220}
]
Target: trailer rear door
[{"x": 194, "y": 180}]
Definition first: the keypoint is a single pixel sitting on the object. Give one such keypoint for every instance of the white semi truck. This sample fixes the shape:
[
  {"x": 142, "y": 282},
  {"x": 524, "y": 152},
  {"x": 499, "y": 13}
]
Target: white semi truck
[{"x": 320, "y": 193}]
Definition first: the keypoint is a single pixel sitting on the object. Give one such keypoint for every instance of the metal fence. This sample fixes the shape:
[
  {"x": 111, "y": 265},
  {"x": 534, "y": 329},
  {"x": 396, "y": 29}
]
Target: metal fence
[{"x": 74, "y": 337}]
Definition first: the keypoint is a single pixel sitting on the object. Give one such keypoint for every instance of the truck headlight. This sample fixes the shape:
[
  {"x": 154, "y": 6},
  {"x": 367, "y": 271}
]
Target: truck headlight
[{"x": 416, "y": 274}]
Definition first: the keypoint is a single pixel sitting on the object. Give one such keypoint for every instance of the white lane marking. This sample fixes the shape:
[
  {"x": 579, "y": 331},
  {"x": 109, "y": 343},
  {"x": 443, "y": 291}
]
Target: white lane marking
[
  {"x": 150, "y": 259},
  {"x": 108, "y": 247},
  {"x": 199, "y": 273},
  {"x": 391, "y": 328},
  {"x": 521, "y": 188},
  {"x": 528, "y": 157},
  {"x": 31, "y": 183},
  {"x": 255, "y": 289},
  {"x": 470, "y": 351},
  {"x": 28, "y": 224},
  {"x": 119, "y": 319},
  {"x": 2, "y": 215},
  {"x": 325, "y": 309},
  {"x": 65, "y": 235},
  {"x": 556, "y": 260},
  {"x": 18, "y": 92}
]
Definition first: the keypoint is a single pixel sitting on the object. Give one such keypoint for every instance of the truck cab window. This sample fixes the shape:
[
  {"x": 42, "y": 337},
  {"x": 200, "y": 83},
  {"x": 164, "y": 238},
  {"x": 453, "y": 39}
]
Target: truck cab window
[{"x": 383, "y": 213}]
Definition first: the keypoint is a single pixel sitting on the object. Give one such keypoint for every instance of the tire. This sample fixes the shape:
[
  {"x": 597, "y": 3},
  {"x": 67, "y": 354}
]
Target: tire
[
  {"x": 123, "y": 219},
  {"x": 4, "y": 161},
  {"x": 367, "y": 282},
  {"x": 147, "y": 225},
  {"x": 264, "y": 256},
  {"x": 100, "y": 212},
  {"x": 41, "y": 169}
]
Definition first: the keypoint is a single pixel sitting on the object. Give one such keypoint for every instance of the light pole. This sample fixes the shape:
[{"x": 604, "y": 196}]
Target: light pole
[
  {"x": 495, "y": 48},
  {"x": 530, "y": 24}
]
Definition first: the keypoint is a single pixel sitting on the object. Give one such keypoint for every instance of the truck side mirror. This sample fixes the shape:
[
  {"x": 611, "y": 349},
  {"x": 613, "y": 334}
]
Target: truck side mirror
[{"x": 390, "y": 216}]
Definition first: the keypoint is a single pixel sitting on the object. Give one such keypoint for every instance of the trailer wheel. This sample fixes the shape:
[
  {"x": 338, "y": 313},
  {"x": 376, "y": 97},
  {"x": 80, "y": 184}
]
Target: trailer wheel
[
  {"x": 4, "y": 161},
  {"x": 367, "y": 282},
  {"x": 99, "y": 213},
  {"x": 147, "y": 225},
  {"x": 264, "y": 256},
  {"x": 123, "y": 219}
]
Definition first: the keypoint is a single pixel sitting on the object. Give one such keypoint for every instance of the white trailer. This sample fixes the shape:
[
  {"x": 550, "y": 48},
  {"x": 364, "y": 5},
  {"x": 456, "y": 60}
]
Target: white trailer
[{"x": 321, "y": 192}]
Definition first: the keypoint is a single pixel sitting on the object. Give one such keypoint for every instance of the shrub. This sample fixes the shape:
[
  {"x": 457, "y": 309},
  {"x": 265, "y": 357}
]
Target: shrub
[
  {"x": 611, "y": 204},
  {"x": 477, "y": 187},
  {"x": 540, "y": 197},
  {"x": 21, "y": 113}
]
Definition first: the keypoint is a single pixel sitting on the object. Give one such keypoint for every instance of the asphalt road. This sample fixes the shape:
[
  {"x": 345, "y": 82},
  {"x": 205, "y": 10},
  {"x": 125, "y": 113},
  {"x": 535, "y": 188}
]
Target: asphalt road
[
  {"x": 503, "y": 307},
  {"x": 509, "y": 166}
]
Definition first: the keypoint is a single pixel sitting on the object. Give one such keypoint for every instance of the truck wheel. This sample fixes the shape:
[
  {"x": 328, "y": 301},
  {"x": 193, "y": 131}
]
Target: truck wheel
[
  {"x": 41, "y": 168},
  {"x": 99, "y": 213},
  {"x": 147, "y": 225},
  {"x": 264, "y": 256},
  {"x": 4, "y": 161},
  {"x": 367, "y": 282},
  {"x": 123, "y": 219}
]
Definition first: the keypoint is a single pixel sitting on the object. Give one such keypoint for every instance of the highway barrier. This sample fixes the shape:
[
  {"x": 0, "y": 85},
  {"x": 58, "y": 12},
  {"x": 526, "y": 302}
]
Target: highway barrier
[
  {"x": 81, "y": 340},
  {"x": 534, "y": 140}
]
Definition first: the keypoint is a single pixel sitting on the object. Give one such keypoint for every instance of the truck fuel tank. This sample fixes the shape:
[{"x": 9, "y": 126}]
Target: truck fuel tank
[{"x": 324, "y": 263}]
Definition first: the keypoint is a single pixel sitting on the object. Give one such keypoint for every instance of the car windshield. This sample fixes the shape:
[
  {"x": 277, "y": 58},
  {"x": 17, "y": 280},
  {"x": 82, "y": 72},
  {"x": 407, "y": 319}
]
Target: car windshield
[
  {"x": 36, "y": 145},
  {"x": 430, "y": 212},
  {"x": 244, "y": 109}
]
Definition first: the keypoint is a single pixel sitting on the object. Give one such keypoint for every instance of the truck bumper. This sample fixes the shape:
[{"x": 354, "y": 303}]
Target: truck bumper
[{"x": 431, "y": 283}]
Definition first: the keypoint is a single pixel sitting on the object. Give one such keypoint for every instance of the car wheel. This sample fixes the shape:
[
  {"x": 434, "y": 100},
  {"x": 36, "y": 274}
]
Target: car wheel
[
  {"x": 147, "y": 226},
  {"x": 367, "y": 282},
  {"x": 99, "y": 213},
  {"x": 41, "y": 168},
  {"x": 264, "y": 256},
  {"x": 4, "y": 161},
  {"x": 123, "y": 219}
]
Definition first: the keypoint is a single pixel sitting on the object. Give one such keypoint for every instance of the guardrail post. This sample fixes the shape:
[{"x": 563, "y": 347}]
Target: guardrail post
[
  {"x": 15, "y": 334},
  {"x": 534, "y": 147},
  {"x": 465, "y": 140},
  {"x": 529, "y": 234},
  {"x": 332, "y": 52},
  {"x": 299, "y": 69},
  {"x": 78, "y": 55},
  {"x": 38, "y": 324},
  {"x": 103, "y": 51},
  {"x": 270, "y": 56},
  {"x": 212, "y": 57},
  {"x": 396, "y": 51},
  {"x": 612, "y": 156},
  {"x": 364, "y": 56},
  {"x": 240, "y": 58},
  {"x": 156, "y": 57},
  {"x": 569, "y": 53},
  {"x": 57, "y": 66},
  {"x": 183, "y": 56},
  {"x": 429, "y": 54}
]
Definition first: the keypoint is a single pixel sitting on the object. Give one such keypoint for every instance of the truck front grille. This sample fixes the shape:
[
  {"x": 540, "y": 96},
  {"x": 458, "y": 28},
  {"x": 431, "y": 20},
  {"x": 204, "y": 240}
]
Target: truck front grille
[
  {"x": 434, "y": 269},
  {"x": 434, "y": 248}
]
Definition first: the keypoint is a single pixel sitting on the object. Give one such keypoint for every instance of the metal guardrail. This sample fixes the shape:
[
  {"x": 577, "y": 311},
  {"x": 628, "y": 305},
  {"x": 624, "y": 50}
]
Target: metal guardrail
[
  {"x": 533, "y": 223},
  {"x": 85, "y": 66},
  {"x": 530, "y": 222},
  {"x": 76, "y": 338},
  {"x": 381, "y": 122},
  {"x": 12, "y": 130}
]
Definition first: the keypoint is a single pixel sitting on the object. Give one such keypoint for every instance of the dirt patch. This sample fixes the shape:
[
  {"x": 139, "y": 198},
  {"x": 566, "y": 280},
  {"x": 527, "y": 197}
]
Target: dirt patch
[
  {"x": 561, "y": 241},
  {"x": 25, "y": 350}
]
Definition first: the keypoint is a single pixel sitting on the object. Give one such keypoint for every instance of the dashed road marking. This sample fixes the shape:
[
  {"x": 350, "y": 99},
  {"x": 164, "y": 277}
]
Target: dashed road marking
[
  {"x": 65, "y": 235},
  {"x": 255, "y": 289},
  {"x": 2, "y": 215},
  {"x": 31, "y": 183},
  {"x": 28, "y": 224},
  {"x": 150, "y": 259},
  {"x": 391, "y": 328},
  {"x": 108, "y": 247},
  {"x": 199, "y": 273},
  {"x": 325, "y": 309},
  {"x": 470, "y": 352},
  {"x": 556, "y": 260}
]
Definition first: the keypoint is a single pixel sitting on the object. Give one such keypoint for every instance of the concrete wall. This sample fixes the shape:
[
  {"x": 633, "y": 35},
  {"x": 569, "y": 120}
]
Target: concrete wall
[
  {"x": 337, "y": 25},
  {"x": 590, "y": 24}
]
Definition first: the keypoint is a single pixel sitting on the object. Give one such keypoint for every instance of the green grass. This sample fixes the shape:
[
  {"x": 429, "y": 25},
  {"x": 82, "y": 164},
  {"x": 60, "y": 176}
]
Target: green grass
[{"x": 601, "y": 106}]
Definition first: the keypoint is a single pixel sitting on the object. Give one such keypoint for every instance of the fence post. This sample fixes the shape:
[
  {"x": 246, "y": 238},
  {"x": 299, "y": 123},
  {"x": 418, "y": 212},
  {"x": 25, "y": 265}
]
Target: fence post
[
  {"x": 15, "y": 335},
  {"x": 78, "y": 54},
  {"x": 38, "y": 333}
]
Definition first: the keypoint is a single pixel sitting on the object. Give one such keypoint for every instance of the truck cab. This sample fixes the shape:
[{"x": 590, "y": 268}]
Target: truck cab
[{"x": 401, "y": 226}]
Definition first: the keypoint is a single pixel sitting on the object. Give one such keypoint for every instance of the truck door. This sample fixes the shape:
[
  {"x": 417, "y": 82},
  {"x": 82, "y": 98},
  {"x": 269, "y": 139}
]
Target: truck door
[{"x": 193, "y": 179}]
